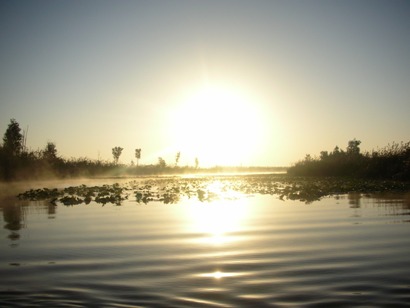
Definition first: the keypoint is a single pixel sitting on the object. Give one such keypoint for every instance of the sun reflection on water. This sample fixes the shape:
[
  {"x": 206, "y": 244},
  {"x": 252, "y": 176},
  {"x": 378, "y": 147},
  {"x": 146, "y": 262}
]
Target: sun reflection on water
[
  {"x": 220, "y": 275},
  {"x": 217, "y": 222}
]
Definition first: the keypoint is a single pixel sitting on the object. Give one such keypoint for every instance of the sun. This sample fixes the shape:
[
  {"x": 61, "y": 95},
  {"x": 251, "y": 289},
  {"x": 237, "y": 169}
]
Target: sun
[{"x": 218, "y": 125}]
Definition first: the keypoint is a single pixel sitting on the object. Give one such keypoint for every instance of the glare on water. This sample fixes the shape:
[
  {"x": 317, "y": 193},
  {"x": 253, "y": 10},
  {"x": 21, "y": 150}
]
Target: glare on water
[
  {"x": 218, "y": 221},
  {"x": 229, "y": 249}
]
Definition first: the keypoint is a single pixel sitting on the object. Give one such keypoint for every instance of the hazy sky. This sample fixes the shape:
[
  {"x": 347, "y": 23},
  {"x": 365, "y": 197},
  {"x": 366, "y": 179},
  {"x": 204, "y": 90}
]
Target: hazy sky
[{"x": 229, "y": 82}]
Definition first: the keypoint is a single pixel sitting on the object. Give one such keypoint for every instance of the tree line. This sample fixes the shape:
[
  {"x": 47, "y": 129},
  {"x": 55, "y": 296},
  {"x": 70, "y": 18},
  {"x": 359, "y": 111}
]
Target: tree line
[
  {"x": 117, "y": 151},
  {"x": 390, "y": 162},
  {"x": 18, "y": 162}
]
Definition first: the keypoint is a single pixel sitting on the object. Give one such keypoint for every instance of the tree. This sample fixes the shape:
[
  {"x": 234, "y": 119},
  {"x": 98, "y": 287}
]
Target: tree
[
  {"x": 13, "y": 139},
  {"x": 324, "y": 155},
  {"x": 161, "y": 162},
  {"x": 337, "y": 151},
  {"x": 50, "y": 151},
  {"x": 178, "y": 156},
  {"x": 308, "y": 158},
  {"x": 196, "y": 163},
  {"x": 116, "y": 152},
  {"x": 137, "y": 155},
  {"x": 353, "y": 147}
]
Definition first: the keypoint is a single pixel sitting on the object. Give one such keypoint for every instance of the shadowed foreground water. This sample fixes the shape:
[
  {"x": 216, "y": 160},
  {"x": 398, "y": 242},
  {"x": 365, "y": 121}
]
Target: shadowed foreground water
[{"x": 253, "y": 251}]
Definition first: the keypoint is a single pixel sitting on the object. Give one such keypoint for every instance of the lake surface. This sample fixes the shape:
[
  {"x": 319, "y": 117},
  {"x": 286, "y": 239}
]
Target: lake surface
[{"x": 251, "y": 250}]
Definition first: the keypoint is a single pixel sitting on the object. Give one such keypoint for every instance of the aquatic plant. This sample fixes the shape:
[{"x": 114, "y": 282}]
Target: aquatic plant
[
  {"x": 71, "y": 200},
  {"x": 73, "y": 195},
  {"x": 40, "y": 194},
  {"x": 171, "y": 190}
]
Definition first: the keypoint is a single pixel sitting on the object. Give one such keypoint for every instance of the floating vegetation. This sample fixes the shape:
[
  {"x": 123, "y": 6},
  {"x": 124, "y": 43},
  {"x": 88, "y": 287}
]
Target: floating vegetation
[
  {"x": 70, "y": 200},
  {"x": 40, "y": 194},
  {"x": 74, "y": 195},
  {"x": 170, "y": 190}
]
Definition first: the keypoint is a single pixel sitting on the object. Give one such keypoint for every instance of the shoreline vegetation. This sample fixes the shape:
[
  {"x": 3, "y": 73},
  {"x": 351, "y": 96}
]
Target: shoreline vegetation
[
  {"x": 17, "y": 163},
  {"x": 332, "y": 173},
  {"x": 391, "y": 162}
]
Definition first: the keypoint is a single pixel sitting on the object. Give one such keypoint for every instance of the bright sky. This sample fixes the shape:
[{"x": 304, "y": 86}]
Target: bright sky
[{"x": 257, "y": 83}]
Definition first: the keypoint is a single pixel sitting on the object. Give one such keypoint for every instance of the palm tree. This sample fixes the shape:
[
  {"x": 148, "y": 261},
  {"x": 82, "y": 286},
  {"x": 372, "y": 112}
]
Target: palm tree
[
  {"x": 116, "y": 152},
  {"x": 177, "y": 158},
  {"x": 138, "y": 155}
]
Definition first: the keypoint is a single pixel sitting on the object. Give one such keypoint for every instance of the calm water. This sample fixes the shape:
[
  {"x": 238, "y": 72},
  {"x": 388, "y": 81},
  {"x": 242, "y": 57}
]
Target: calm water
[{"x": 254, "y": 251}]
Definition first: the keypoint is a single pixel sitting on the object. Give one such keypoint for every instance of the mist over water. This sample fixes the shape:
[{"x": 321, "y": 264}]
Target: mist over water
[{"x": 256, "y": 250}]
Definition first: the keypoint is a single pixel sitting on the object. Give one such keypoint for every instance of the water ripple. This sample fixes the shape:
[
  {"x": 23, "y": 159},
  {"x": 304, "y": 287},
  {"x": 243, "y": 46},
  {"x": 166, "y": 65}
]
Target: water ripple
[{"x": 270, "y": 253}]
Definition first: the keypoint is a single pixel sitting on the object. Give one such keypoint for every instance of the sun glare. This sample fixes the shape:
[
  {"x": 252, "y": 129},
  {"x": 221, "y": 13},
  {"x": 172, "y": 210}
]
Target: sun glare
[
  {"x": 219, "y": 126},
  {"x": 220, "y": 275},
  {"x": 217, "y": 221}
]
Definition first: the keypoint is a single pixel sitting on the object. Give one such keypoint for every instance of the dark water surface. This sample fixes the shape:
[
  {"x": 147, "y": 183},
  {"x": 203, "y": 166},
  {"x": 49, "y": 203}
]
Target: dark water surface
[{"x": 256, "y": 251}]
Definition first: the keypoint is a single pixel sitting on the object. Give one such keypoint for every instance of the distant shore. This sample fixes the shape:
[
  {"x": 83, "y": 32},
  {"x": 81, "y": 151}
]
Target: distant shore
[{"x": 17, "y": 163}]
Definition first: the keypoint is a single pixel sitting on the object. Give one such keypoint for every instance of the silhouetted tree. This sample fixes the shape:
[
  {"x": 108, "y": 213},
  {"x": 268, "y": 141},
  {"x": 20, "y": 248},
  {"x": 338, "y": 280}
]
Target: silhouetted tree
[
  {"x": 50, "y": 151},
  {"x": 353, "y": 147},
  {"x": 13, "y": 139},
  {"x": 137, "y": 155},
  {"x": 336, "y": 151},
  {"x": 177, "y": 158},
  {"x": 324, "y": 155},
  {"x": 116, "y": 152},
  {"x": 161, "y": 162}
]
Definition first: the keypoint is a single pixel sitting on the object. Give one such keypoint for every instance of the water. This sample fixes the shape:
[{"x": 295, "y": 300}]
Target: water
[{"x": 254, "y": 251}]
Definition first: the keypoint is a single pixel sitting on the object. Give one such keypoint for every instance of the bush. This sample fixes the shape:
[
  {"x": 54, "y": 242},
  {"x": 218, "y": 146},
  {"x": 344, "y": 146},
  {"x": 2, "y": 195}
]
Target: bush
[{"x": 390, "y": 162}]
